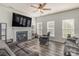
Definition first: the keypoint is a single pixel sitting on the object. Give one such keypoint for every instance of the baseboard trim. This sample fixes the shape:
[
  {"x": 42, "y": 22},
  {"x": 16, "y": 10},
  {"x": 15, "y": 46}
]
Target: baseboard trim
[{"x": 56, "y": 41}]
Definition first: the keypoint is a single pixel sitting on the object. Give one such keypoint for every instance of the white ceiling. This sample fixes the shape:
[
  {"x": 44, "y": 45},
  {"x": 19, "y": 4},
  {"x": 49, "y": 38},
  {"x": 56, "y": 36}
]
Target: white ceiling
[{"x": 56, "y": 7}]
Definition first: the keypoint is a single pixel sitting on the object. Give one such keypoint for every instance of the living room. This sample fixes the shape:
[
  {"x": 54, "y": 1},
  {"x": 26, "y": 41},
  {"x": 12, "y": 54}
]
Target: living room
[{"x": 31, "y": 37}]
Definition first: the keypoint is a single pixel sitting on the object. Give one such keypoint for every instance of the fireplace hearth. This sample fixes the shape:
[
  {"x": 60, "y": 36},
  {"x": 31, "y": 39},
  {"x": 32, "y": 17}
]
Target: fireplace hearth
[{"x": 21, "y": 36}]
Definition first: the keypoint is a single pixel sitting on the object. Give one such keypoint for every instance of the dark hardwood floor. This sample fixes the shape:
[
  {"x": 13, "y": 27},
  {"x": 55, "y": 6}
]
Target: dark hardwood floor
[{"x": 33, "y": 48}]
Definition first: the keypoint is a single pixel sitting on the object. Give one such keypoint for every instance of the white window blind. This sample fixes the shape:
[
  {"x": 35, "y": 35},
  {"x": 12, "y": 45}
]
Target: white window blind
[
  {"x": 39, "y": 28},
  {"x": 68, "y": 27},
  {"x": 51, "y": 28}
]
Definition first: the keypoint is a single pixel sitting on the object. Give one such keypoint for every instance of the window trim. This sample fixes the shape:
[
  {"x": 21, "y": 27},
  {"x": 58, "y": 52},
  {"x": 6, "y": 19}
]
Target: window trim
[
  {"x": 73, "y": 28},
  {"x": 53, "y": 28},
  {"x": 39, "y": 29}
]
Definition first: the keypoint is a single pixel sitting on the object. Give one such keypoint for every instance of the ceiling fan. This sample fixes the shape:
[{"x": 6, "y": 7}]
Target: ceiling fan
[{"x": 41, "y": 7}]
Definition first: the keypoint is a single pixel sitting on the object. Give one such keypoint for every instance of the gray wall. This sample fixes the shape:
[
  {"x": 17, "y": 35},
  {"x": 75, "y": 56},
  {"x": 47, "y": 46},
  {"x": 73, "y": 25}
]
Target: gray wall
[{"x": 58, "y": 17}]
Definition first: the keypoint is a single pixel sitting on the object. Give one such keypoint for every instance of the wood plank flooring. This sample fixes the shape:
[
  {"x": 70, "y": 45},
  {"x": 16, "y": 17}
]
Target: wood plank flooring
[{"x": 52, "y": 49}]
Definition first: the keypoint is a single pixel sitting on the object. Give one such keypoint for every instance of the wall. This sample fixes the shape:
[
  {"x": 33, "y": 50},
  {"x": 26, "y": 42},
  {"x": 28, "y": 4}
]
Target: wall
[
  {"x": 58, "y": 17},
  {"x": 34, "y": 25},
  {"x": 6, "y": 17}
]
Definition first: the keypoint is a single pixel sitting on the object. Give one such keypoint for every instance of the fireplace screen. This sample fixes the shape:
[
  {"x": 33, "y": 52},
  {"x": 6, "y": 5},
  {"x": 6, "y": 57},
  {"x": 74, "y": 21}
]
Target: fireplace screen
[{"x": 21, "y": 36}]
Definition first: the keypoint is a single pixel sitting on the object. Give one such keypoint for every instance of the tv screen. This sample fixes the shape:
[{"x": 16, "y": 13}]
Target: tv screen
[{"x": 21, "y": 21}]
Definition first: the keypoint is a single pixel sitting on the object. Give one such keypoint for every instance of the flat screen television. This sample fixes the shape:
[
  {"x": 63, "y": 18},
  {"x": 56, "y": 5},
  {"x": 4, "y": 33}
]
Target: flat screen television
[{"x": 21, "y": 20}]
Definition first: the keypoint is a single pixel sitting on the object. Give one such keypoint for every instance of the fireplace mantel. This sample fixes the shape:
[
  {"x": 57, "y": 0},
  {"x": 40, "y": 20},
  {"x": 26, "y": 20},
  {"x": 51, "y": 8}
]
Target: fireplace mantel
[{"x": 18, "y": 29}]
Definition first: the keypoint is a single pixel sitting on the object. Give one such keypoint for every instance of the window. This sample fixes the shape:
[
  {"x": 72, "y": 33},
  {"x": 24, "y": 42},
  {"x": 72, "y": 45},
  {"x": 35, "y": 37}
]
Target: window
[
  {"x": 51, "y": 28},
  {"x": 68, "y": 27},
  {"x": 33, "y": 28},
  {"x": 39, "y": 28}
]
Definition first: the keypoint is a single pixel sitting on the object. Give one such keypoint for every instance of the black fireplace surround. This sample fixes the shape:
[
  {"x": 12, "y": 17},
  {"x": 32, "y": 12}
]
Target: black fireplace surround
[{"x": 21, "y": 36}]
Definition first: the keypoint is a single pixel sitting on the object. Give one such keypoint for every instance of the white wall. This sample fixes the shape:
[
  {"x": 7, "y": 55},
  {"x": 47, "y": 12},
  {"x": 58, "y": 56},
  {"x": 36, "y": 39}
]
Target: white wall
[
  {"x": 34, "y": 24},
  {"x": 6, "y": 17}
]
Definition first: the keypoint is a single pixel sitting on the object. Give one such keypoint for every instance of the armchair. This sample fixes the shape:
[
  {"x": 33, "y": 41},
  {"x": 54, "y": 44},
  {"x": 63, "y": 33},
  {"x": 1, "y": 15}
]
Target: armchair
[{"x": 44, "y": 39}]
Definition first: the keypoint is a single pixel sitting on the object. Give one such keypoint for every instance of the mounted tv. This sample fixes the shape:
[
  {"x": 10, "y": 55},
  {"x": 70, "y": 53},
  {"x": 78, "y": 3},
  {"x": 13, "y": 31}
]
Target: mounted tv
[{"x": 21, "y": 21}]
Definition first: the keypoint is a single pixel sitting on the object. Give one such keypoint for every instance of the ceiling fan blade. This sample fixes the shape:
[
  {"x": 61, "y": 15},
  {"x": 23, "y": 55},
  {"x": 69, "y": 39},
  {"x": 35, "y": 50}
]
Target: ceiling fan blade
[
  {"x": 46, "y": 9},
  {"x": 43, "y": 4},
  {"x": 40, "y": 4},
  {"x": 41, "y": 11},
  {"x": 34, "y": 6}
]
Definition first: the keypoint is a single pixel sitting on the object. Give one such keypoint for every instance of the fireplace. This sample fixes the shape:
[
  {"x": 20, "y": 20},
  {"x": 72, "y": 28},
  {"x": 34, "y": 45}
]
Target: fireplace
[{"x": 21, "y": 36}]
